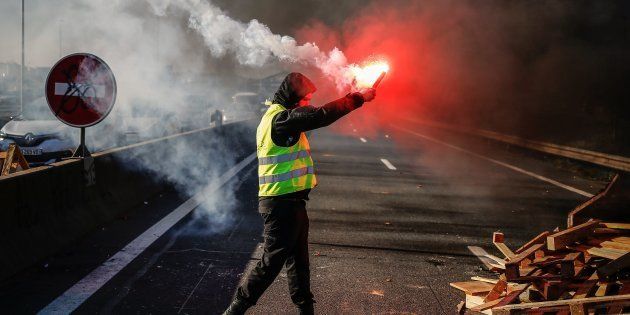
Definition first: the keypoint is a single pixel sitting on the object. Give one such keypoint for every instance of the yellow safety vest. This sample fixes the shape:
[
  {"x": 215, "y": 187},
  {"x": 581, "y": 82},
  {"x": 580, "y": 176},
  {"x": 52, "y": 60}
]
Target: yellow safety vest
[{"x": 282, "y": 170}]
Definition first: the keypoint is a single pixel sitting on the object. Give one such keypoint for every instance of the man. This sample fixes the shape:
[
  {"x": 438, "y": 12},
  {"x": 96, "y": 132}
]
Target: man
[{"x": 285, "y": 177}]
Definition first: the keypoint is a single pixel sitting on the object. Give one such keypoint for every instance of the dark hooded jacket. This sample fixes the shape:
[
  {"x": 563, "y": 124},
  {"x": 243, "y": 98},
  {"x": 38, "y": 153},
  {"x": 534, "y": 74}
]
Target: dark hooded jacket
[{"x": 287, "y": 125}]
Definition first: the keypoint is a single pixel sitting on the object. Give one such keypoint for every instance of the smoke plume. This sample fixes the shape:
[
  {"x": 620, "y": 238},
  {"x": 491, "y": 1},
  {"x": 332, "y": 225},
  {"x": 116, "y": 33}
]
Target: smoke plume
[{"x": 253, "y": 43}]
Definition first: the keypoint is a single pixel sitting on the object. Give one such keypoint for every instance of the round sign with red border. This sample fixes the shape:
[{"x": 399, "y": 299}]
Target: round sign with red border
[{"x": 81, "y": 90}]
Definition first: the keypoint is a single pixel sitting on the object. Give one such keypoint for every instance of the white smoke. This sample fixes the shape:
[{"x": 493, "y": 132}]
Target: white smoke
[
  {"x": 253, "y": 43},
  {"x": 160, "y": 74}
]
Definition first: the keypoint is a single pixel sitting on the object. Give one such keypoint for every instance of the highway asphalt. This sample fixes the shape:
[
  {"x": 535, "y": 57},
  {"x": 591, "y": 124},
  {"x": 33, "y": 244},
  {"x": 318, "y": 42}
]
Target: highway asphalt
[{"x": 391, "y": 224}]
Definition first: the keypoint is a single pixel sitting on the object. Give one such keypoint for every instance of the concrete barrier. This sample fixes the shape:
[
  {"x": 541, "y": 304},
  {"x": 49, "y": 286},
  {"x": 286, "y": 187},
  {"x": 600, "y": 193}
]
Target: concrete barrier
[{"x": 45, "y": 209}]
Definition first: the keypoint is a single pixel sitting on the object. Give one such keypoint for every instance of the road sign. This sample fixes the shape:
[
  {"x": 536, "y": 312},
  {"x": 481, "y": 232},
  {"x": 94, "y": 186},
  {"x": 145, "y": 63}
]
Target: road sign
[{"x": 81, "y": 90}]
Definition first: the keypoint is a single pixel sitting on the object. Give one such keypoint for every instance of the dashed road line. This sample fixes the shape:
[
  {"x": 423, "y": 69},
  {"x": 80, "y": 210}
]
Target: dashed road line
[
  {"x": 388, "y": 164},
  {"x": 70, "y": 300},
  {"x": 506, "y": 165}
]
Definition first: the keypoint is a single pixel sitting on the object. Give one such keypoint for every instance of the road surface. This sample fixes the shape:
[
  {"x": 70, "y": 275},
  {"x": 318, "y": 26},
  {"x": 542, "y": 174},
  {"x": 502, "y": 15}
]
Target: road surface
[{"x": 392, "y": 223}]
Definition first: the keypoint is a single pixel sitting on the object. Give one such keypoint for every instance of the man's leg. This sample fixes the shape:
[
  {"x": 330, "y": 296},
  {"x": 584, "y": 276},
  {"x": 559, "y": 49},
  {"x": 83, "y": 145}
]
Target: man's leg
[
  {"x": 298, "y": 270},
  {"x": 280, "y": 235}
]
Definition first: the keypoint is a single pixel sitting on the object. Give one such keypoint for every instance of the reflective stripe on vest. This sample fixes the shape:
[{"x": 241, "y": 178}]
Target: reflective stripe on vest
[
  {"x": 268, "y": 179},
  {"x": 283, "y": 158},
  {"x": 282, "y": 170}
]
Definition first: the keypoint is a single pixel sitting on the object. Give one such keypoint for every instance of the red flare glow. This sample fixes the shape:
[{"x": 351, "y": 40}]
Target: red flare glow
[{"x": 364, "y": 77}]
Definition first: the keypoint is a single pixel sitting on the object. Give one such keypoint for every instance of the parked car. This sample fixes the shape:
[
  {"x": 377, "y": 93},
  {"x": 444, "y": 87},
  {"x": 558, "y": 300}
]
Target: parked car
[
  {"x": 43, "y": 139},
  {"x": 40, "y": 136}
]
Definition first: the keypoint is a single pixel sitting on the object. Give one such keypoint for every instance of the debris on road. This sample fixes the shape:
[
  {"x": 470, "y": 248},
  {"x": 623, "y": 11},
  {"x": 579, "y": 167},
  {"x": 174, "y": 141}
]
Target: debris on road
[
  {"x": 12, "y": 160},
  {"x": 377, "y": 292},
  {"x": 577, "y": 268},
  {"x": 583, "y": 269}
]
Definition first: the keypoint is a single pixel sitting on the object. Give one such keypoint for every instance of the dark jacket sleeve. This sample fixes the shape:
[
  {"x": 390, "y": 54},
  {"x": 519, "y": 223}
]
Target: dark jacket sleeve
[{"x": 288, "y": 124}]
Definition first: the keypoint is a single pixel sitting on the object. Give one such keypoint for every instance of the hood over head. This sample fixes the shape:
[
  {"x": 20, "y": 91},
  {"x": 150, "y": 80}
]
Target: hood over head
[{"x": 294, "y": 87}]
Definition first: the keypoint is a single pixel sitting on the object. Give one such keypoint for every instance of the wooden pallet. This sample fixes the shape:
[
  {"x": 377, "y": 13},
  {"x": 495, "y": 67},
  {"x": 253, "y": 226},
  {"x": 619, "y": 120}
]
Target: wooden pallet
[
  {"x": 12, "y": 160},
  {"x": 573, "y": 271}
]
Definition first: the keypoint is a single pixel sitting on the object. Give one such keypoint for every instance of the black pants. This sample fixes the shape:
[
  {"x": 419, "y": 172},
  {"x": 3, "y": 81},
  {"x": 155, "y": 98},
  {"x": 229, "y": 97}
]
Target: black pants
[{"x": 286, "y": 243}]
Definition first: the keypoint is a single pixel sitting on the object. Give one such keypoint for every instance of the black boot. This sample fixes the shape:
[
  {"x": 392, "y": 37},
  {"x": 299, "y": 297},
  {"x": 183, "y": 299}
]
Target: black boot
[
  {"x": 306, "y": 309},
  {"x": 238, "y": 307}
]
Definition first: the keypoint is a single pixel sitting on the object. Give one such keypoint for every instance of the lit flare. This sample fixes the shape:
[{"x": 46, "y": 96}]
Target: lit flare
[{"x": 366, "y": 76}]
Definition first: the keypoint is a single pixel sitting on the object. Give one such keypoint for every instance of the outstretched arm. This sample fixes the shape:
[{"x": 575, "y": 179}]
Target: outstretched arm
[{"x": 305, "y": 118}]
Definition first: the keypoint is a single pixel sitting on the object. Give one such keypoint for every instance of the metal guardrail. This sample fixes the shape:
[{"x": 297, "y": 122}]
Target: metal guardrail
[
  {"x": 616, "y": 162},
  {"x": 118, "y": 149}
]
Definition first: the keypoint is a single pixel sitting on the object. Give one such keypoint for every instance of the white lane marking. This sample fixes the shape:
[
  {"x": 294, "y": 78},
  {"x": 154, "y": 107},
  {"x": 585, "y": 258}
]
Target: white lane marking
[
  {"x": 86, "y": 287},
  {"x": 388, "y": 164},
  {"x": 363, "y": 140},
  {"x": 512, "y": 167},
  {"x": 482, "y": 255}
]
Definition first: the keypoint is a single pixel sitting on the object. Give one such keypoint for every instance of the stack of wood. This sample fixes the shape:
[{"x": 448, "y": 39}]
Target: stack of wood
[{"x": 580, "y": 270}]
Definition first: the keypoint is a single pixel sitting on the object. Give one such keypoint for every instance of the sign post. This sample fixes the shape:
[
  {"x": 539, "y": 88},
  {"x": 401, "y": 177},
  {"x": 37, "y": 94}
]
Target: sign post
[{"x": 81, "y": 91}]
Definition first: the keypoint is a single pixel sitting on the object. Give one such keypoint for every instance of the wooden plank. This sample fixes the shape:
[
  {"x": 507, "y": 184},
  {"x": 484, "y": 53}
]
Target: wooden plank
[
  {"x": 496, "y": 261},
  {"x": 621, "y": 239},
  {"x": 615, "y": 245},
  {"x": 586, "y": 287},
  {"x": 511, "y": 285},
  {"x": 578, "y": 309},
  {"x": 571, "y": 235},
  {"x": 616, "y": 225},
  {"x": 506, "y": 251},
  {"x": 568, "y": 264},
  {"x": 606, "y": 252},
  {"x": 6, "y": 168},
  {"x": 602, "y": 289},
  {"x": 21, "y": 160},
  {"x": 473, "y": 300},
  {"x": 498, "y": 241},
  {"x": 551, "y": 289},
  {"x": 512, "y": 296},
  {"x": 483, "y": 279},
  {"x": 461, "y": 307},
  {"x": 485, "y": 306},
  {"x": 473, "y": 287},
  {"x": 540, "y": 239},
  {"x": 512, "y": 268},
  {"x": 498, "y": 237},
  {"x": 497, "y": 290},
  {"x": 614, "y": 266},
  {"x": 571, "y": 218},
  {"x": 607, "y": 231},
  {"x": 591, "y": 300}
]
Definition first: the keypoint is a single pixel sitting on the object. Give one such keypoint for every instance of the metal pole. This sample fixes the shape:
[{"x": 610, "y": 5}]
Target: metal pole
[
  {"x": 82, "y": 142},
  {"x": 157, "y": 39},
  {"x": 60, "y": 38},
  {"x": 22, "y": 67}
]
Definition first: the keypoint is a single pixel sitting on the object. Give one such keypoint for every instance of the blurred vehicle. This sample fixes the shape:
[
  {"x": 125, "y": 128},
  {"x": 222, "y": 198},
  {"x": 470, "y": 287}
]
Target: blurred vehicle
[
  {"x": 43, "y": 139},
  {"x": 244, "y": 105},
  {"x": 142, "y": 120}
]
